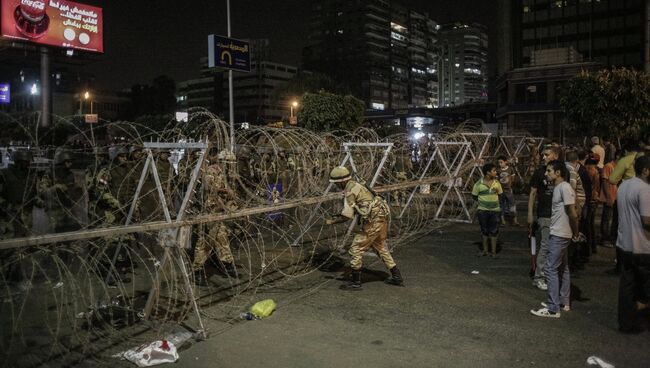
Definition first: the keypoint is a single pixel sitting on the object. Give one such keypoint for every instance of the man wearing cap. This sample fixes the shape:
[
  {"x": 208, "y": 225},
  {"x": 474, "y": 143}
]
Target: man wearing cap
[
  {"x": 373, "y": 209},
  {"x": 599, "y": 150}
]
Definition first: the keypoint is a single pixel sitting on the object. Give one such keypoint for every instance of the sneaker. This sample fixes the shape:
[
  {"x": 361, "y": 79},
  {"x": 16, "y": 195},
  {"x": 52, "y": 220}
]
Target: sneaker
[
  {"x": 563, "y": 307},
  {"x": 543, "y": 312},
  {"x": 541, "y": 285}
]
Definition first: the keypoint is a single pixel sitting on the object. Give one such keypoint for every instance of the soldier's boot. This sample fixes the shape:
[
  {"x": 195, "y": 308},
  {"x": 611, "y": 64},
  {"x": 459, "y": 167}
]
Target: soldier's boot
[
  {"x": 395, "y": 277},
  {"x": 200, "y": 278},
  {"x": 493, "y": 246},
  {"x": 355, "y": 284}
]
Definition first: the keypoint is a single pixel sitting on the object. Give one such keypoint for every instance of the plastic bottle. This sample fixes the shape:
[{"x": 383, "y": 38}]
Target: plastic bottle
[{"x": 247, "y": 316}]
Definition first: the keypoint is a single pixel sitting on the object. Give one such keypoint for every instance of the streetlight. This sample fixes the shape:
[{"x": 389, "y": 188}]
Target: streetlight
[
  {"x": 86, "y": 97},
  {"x": 294, "y": 104},
  {"x": 293, "y": 120}
]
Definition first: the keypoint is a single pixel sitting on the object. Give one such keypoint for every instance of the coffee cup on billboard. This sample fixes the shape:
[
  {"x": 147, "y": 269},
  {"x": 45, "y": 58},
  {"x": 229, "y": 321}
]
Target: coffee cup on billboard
[{"x": 31, "y": 18}]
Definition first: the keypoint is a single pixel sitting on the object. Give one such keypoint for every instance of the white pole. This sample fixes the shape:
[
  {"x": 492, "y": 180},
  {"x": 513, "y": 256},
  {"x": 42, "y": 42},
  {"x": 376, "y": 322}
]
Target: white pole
[{"x": 230, "y": 92}]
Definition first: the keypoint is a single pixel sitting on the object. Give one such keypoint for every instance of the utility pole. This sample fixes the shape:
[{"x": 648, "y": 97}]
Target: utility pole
[
  {"x": 45, "y": 87},
  {"x": 230, "y": 92}
]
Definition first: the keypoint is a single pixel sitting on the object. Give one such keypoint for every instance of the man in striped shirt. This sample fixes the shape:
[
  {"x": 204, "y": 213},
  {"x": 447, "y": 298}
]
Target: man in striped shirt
[{"x": 486, "y": 191}]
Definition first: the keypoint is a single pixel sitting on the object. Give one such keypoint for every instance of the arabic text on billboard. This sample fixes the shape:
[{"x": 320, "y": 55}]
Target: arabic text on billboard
[
  {"x": 54, "y": 23},
  {"x": 228, "y": 53},
  {"x": 5, "y": 93}
]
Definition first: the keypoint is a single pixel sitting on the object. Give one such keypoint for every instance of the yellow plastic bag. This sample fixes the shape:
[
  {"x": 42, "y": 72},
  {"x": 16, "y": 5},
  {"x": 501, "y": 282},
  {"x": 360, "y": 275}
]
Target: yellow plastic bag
[{"x": 263, "y": 308}]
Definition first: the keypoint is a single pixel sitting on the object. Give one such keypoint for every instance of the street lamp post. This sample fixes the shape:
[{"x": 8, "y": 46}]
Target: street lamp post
[
  {"x": 92, "y": 134},
  {"x": 292, "y": 119}
]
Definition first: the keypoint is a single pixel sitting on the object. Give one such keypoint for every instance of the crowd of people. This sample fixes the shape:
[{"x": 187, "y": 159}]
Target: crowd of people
[{"x": 574, "y": 189}]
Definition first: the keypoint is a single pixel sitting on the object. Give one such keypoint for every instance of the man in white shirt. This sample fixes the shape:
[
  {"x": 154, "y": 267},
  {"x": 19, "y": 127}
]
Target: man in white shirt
[
  {"x": 633, "y": 201},
  {"x": 564, "y": 227},
  {"x": 599, "y": 150}
]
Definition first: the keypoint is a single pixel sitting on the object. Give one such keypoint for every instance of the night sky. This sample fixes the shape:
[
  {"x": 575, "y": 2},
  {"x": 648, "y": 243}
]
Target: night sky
[{"x": 144, "y": 39}]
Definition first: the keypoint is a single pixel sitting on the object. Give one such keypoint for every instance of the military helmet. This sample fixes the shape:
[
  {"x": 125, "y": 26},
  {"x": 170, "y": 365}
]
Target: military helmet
[
  {"x": 22, "y": 155},
  {"x": 339, "y": 174}
]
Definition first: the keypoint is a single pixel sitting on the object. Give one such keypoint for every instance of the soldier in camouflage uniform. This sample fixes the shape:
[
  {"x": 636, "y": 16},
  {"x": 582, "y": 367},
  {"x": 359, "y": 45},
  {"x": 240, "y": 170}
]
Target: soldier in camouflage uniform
[
  {"x": 18, "y": 192},
  {"x": 19, "y": 195},
  {"x": 373, "y": 209},
  {"x": 113, "y": 194},
  {"x": 217, "y": 197},
  {"x": 402, "y": 168},
  {"x": 63, "y": 193}
]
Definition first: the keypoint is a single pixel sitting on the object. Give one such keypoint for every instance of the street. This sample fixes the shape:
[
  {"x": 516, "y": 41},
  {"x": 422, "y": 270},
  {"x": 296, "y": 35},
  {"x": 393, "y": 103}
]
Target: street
[{"x": 444, "y": 317}]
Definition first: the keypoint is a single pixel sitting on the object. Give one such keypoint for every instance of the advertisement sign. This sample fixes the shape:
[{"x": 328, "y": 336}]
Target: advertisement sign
[
  {"x": 5, "y": 93},
  {"x": 228, "y": 53},
  {"x": 54, "y": 23}
]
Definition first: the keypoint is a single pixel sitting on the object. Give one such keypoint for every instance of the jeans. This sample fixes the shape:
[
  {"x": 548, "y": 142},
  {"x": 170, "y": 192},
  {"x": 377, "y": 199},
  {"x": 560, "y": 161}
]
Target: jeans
[
  {"x": 508, "y": 205},
  {"x": 489, "y": 221},
  {"x": 543, "y": 232},
  {"x": 634, "y": 286},
  {"x": 557, "y": 273},
  {"x": 606, "y": 223},
  {"x": 590, "y": 227}
]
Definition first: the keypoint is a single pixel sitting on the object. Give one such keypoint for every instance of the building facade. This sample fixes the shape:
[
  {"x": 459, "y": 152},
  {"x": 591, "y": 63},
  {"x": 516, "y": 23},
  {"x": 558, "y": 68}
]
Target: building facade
[
  {"x": 386, "y": 53},
  {"x": 611, "y": 32},
  {"x": 528, "y": 99},
  {"x": 254, "y": 96},
  {"x": 463, "y": 64}
]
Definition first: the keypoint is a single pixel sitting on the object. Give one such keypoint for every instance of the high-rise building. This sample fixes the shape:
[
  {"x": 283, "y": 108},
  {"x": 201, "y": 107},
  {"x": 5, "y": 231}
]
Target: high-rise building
[
  {"x": 385, "y": 52},
  {"x": 463, "y": 64},
  {"x": 611, "y": 32}
]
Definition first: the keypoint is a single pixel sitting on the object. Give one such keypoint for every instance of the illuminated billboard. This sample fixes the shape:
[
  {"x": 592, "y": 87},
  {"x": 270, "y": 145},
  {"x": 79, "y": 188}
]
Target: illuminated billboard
[
  {"x": 54, "y": 23},
  {"x": 5, "y": 93}
]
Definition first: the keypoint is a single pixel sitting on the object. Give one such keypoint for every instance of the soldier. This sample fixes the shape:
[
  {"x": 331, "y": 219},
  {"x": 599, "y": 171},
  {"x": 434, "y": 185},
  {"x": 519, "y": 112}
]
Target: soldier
[
  {"x": 374, "y": 211},
  {"x": 216, "y": 197},
  {"x": 117, "y": 193},
  {"x": 18, "y": 186},
  {"x": 64, "y": 194},
  {"x": 402, "y": 168},
  {"x": 19, "y": 194}
]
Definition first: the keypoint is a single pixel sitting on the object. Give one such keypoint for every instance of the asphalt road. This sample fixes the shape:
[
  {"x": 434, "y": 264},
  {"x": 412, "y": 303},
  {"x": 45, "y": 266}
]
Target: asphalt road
[{"x": 444, "y": 317}]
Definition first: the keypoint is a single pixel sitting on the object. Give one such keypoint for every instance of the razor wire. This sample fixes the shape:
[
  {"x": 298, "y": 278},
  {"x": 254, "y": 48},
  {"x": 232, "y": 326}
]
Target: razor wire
[{"x": 56, "y": 301}]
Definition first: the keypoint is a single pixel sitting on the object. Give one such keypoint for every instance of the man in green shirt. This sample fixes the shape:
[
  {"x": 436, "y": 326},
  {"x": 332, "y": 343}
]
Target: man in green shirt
[{"x": 486, "y": 191}]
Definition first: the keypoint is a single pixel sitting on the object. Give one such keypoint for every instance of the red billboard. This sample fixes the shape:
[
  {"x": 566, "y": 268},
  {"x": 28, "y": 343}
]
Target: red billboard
[{"x": 54, "y": 23}]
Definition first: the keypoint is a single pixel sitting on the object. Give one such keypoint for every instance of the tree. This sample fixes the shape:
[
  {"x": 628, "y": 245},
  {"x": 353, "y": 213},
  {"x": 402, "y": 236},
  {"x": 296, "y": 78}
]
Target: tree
[
  {"x": 307, "y": 82},
  {"x": 324, "y": 111},
  {"x": 609, "y": 102}
]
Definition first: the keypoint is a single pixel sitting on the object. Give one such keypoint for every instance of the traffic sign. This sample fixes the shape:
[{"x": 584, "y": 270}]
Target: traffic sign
[{"x": 228, "y": 53}]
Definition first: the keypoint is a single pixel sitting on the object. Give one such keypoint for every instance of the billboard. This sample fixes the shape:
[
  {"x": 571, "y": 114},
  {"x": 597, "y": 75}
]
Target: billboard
[
  {"x": 228, "y": 53},
  {"x": 5, "y": 93},
  {"x": 53, "y": 23}
]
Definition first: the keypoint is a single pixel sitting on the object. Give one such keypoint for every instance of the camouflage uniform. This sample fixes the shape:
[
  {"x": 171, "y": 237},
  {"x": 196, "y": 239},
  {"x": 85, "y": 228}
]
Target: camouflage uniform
[
  {"x": 18, "y": 192},
  {"x": 63, "y": 195},
  {"x": 402, "y": 168},
  {"x": 374, "y": 212},
  {"x": 19, "y": 196},
  {"x": 214, "y": 236}
]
